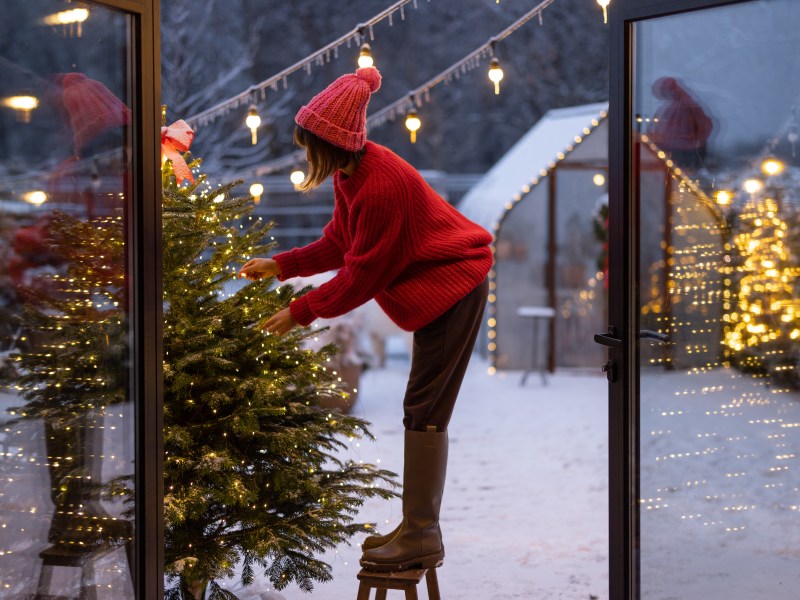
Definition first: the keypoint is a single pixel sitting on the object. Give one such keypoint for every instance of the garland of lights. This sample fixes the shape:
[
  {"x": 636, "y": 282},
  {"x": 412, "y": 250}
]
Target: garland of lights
[
  {"x": 319, "y": 58},
  {"x": 414, "y": 99}
]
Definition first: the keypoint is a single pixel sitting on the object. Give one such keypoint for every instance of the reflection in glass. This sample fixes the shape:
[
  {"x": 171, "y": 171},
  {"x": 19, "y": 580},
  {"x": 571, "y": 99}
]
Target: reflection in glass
[
  {"x": 718, "y": 179},
  {"x": 66, "y": 459}
]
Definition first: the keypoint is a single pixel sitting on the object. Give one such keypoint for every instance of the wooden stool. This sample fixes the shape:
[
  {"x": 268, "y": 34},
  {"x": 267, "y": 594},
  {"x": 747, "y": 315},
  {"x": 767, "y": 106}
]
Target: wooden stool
[{"x": 402, "y": 580}]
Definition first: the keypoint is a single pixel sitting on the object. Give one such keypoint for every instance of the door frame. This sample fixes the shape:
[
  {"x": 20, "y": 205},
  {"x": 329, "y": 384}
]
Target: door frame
[
  {"x": 144, "y": 268},
  {"x": 623, "y": 315}
]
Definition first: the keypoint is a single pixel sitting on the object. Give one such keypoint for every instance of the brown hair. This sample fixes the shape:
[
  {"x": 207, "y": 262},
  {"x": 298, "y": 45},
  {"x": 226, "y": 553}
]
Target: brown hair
[{"x": 324, "y": 159}]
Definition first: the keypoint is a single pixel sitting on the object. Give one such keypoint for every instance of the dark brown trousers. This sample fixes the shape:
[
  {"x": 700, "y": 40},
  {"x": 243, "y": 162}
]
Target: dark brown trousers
[{"x": 439, "y": 359}]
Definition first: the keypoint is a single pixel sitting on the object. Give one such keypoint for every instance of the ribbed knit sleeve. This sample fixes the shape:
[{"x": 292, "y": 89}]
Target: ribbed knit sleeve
[
  {"x": 317, "y": 257},
  {"x": 325, "y": 254},
  {"x": 371, "y": 264}
]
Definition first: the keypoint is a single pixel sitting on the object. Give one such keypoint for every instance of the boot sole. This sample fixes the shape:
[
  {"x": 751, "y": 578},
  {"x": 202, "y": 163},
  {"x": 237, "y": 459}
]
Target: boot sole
[{"x": 431, "y": 561}]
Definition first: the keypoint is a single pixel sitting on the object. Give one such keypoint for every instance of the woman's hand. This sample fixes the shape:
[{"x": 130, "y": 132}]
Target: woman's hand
[
  {"x": 280, "y": 323},
  {"x": 258, "y": 268}
]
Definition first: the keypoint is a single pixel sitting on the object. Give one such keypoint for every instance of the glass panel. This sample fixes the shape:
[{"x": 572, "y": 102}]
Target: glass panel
[
  {"x": 717, "y": 175},
  {"x": 67, "y": 433}
]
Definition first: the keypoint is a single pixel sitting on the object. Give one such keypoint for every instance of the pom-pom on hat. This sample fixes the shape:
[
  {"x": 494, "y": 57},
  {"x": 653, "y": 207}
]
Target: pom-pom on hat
[{"x": 338, "y": 114}]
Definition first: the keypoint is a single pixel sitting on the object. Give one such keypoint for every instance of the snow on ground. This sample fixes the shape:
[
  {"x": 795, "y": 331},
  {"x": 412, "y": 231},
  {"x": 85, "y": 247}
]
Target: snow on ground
[{"x": 525, "y": 506}]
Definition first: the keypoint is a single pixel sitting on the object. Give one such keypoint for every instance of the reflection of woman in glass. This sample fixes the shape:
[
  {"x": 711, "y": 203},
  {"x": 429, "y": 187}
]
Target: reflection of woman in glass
[
  {"x": 681, "y": 127},
  {"x": 394, "y": 239}
]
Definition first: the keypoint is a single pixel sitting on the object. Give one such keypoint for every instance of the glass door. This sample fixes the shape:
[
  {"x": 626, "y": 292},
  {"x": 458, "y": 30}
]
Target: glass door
[
  {"x": 711, "y": 270},
  {"x": 77, "y": 317}
]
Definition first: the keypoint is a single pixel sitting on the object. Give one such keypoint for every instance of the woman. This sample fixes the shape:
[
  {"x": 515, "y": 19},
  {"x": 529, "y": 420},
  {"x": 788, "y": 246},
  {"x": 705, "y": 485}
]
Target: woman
[{"x": 392, "y": 238}]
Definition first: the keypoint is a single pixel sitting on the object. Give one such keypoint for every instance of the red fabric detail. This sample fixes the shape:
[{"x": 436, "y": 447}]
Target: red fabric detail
[
  {"x": 91, "y": 107},
  {"x": 400, "y": 243},
  {"x": 338, "y": 114},
  {"x": 680, "y": 122}
]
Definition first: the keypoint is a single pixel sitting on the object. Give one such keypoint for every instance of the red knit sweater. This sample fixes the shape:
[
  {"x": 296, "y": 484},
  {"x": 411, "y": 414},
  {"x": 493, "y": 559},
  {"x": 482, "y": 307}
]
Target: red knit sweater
[{"x": 393, "y": 238}]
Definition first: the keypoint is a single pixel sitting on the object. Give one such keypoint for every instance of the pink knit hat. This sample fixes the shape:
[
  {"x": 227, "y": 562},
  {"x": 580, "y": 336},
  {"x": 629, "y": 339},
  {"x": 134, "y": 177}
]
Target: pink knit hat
[
  {"x": 338, "y": 114},
  {"x": 91, "y": 107}
]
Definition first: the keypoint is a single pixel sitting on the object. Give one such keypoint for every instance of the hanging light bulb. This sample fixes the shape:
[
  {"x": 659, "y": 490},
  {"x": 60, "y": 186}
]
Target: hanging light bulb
[
  {"x": 752, "y": 186},
  {"x": 723, "y": 197},
  {"x": 604, "y": 4},
  {"x": 256, "y": 190},
  {"x": 297, "y": 177},
  {"x": 772, "y": 166},
  {"x": 37, "y": 197},
  {"x": 495, "y": 74},
  {"x": 72, "y": 20},
  {"x": 365, "y": 56},
  {"x": 253, "y": 121},
  {"x": 413, "y": 123},
  {"x": 23, "y": 105}
]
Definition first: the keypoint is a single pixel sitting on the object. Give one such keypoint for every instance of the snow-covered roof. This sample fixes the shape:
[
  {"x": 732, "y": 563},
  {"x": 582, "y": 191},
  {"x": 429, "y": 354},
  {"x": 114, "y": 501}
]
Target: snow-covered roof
[{"x": 548, "y": 142}]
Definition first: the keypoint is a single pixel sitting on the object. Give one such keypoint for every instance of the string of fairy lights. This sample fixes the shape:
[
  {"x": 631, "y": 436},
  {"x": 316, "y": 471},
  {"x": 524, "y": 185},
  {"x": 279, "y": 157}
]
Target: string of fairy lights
[{"x": 408, "y": 105}]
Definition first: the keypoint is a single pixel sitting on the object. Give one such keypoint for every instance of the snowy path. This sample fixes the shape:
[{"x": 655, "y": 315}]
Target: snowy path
[{"x": 525, "y": 508}]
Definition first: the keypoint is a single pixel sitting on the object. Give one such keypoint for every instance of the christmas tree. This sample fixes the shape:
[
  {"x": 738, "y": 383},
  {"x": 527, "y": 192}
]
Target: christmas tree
[
  {"x": 253, "y": 469},
  {"x": 762, "y": 326},
  {"x": 254, "y": 474}
]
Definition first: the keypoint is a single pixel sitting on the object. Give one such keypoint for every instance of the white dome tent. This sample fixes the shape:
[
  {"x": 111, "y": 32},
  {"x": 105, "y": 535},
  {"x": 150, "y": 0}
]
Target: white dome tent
[{"x": 540, "y": 201}]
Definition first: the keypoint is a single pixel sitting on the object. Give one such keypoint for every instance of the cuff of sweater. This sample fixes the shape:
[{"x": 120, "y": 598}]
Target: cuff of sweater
[
  {"x": 301, "y": 311},
  {"x": 288, "y": 264}
]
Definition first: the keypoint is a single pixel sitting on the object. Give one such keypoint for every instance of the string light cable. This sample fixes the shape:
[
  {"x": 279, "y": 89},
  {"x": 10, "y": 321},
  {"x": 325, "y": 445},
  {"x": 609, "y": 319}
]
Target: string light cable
[
  {"x": 415, "y": 98},
  {"x": 355, "y": 36}
]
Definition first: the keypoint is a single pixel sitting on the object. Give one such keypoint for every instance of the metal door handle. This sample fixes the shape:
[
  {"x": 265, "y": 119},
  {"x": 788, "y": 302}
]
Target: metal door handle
[
  {"x": 609, "y": 339},
  {"x": 646, "y": 334}
]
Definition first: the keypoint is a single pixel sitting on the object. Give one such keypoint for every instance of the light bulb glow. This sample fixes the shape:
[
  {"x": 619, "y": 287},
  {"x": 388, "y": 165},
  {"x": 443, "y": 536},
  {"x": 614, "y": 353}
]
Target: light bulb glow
[
  {"x": 256, "y": 190},
  {"x": 751, "y": 186},
  {"x": 604, "y": 4},
  {"x": 36, "y": 197},
  {"x": 413, "y": 123},
  {"x": 297, "y": 177},
  {"x": 365, "y": 56},
  {"x": 23, "y": 105},
  {"x": 66, "y": 17},
  {"x": 599, "y": 179},
  {"x": 253, "y": 121},
  {"x": 723, "y": 197},
  {"x": 495, "y": 74},
  {"x": 772, "y": 166}
]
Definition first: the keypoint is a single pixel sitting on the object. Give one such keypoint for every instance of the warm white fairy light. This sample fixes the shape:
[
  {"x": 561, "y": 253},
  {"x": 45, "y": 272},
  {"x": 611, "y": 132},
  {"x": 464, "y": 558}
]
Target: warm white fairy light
[
  {"x": 256, "y": 189},
  {"x": 365, "y": 56},
  {"x": 495, "y": 74},
  {"x": 599, "y": 179},
  {"x": 253, "y": 121},
  {"x": 752, "y": 186},
  {"x": 413, "y": 123},
  {"x": 36, "y": 197},
  {"x": 772, "y": 166},
  {"x": 23, "y": 105},
  {"x": 604, "y": 4},
  {"x": 297, "y": 177}
]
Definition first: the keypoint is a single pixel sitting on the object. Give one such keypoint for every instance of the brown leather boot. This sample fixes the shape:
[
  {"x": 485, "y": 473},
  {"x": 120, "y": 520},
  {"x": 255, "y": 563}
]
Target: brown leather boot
[
  {"x": 376, "y": 541},
  {"x": 418, "y": 541}
]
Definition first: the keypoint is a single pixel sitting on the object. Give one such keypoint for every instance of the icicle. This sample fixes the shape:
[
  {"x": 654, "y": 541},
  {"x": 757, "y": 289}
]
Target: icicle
[
  {"x": 371, "y": 34},
  {"x": 403, "y": 13},
  {"x": 391, "y": 22},
  {"x": 415, "y": 4},
  {"x": 541, "y": 22},
  {"x": 285, "y": 83},
  {"x": 308, "y": 68}
]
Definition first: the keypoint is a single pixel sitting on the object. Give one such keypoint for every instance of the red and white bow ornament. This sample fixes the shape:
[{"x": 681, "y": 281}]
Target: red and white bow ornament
[{"x": 176, "y": 139}]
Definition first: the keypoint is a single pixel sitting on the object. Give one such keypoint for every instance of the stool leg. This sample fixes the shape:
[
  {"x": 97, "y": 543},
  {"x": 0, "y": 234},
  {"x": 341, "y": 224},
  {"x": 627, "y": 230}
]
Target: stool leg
[
  {"x": 363, "y": 591},
  {"x": 433, "y": 585},
  {"x": 411, "y": 593},
  {"x": 380, "y": 594}
]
